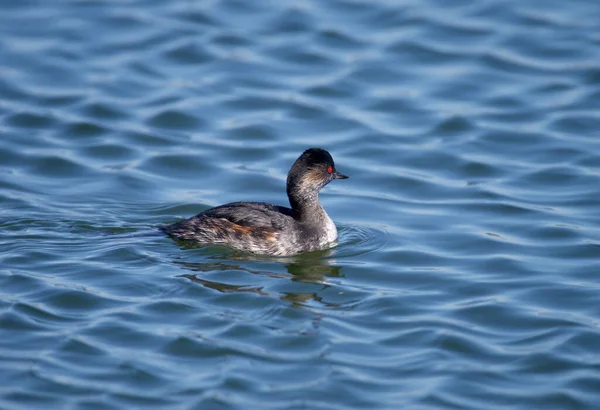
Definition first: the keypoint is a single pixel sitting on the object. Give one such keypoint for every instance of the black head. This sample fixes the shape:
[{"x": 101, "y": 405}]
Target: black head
[{"x": 312, "y": 171}]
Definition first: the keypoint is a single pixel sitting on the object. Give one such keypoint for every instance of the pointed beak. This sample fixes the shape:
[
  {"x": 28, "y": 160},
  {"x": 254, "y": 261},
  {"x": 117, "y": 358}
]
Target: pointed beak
[{"x": 337, "y": 175}]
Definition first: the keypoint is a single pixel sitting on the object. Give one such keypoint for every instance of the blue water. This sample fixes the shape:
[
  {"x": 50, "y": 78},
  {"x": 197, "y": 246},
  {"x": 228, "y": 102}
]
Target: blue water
[{"x": 467, "y": 273}]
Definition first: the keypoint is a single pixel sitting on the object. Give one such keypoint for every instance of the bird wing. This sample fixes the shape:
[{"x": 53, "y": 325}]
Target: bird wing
[{"x": 252, "y": 215}]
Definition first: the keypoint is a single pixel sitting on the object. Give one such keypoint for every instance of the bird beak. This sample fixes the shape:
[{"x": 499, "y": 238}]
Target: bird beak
[{"x": 337, "y": 175}]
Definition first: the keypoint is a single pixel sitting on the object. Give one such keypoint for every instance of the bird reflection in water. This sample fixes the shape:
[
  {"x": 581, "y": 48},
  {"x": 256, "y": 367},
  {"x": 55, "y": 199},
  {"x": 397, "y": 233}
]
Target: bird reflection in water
[{"x": 308, "y": 268}]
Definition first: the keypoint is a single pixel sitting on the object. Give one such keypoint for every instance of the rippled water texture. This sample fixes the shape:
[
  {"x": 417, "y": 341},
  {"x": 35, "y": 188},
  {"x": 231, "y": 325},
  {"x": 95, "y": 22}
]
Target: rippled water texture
[{"x": 467, "y": 274}]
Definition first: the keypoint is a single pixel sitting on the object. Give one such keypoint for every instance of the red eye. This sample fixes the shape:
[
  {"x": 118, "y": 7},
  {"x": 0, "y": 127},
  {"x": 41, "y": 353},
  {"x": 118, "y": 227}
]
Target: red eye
[{"x": 330, "y": 169}]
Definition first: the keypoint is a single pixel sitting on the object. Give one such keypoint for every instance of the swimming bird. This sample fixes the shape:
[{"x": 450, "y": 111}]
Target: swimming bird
[{"x": 262, "y": 228}]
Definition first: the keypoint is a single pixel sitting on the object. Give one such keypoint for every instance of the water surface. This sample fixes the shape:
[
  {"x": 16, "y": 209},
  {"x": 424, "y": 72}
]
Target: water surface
[{"x": 466, "y": 275}]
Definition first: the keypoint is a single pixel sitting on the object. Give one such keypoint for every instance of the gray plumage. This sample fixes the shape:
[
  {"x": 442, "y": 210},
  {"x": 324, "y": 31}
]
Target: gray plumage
[{"x": 267, "y": 229}]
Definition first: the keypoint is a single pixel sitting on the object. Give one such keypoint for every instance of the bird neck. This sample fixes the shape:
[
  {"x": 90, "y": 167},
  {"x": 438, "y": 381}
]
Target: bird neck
[{"x": 306, "y": 205}]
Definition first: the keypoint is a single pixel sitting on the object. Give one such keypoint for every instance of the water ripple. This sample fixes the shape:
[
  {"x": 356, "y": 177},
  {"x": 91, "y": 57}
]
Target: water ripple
[
  {"x": 466, "y": 270},
  {"x": 356, "y": 240}
]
